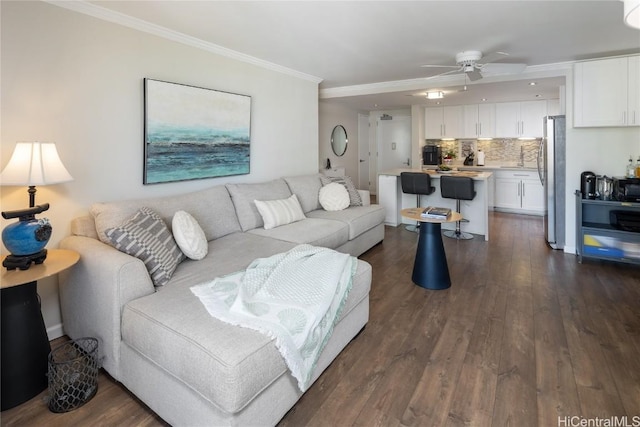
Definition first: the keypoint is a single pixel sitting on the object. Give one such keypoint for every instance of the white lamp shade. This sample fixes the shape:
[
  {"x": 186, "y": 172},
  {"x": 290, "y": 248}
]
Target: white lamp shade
[
  {"x": 632, "y": 13},
  {"x": 34, "y": 163}
]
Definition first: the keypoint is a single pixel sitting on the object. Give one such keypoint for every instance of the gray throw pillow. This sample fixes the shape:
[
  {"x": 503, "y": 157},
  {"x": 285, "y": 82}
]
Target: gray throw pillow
[
  {"x": 354, "y": 196},
  {"x": 146, "y": 236}
]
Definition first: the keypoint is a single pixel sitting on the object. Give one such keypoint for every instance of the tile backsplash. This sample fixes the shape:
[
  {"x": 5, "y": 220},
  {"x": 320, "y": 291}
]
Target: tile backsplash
[{"x": 497, "y": 151}]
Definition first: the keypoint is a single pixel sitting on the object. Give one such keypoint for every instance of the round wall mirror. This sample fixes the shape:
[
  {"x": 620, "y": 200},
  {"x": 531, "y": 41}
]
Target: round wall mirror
[{"x": 339, "y": 140}]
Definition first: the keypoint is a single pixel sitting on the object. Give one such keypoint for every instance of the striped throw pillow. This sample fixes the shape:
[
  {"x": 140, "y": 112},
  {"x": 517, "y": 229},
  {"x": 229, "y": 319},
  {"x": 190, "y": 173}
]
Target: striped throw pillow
[
  {"x": 146, "y": 236},
  {"x": 279, "y": 212}
]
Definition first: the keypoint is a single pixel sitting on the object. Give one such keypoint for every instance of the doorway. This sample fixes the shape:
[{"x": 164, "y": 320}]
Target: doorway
[{"x": 364, "y": 153}]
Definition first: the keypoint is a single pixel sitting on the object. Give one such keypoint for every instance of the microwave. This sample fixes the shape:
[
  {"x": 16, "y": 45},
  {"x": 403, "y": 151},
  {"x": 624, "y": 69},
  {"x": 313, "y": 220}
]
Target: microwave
[{"x": 626, "y": 189}]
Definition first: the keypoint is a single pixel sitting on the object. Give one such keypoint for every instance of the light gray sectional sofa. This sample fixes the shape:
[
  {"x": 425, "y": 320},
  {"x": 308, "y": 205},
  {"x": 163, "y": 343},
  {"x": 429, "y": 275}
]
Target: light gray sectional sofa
[{"x": 161, "y": 343}]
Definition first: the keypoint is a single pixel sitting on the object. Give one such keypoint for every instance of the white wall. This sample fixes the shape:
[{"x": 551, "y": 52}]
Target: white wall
[
  {"x": 78, "y": 81},
  {"x": 331, "y": 115}
]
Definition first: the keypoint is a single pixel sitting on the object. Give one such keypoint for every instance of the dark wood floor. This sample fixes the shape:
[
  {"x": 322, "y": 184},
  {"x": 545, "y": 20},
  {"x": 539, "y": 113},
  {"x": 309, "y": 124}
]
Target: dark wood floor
[{"x": 525, "y": 335}]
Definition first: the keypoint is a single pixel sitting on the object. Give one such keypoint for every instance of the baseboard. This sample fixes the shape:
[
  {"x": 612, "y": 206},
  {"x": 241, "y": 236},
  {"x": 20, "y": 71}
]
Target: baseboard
[{"x": 55, "y": 331}]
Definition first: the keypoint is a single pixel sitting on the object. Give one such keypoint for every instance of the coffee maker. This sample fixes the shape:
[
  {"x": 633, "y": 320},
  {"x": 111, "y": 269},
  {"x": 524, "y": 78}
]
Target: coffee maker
[
  {"x": 431, "y": 155},
  {"x": 588, "y": 185}
]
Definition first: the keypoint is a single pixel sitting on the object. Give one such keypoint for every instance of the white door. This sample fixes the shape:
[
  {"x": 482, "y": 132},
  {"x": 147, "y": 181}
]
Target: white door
[
  {"x": 394, "y": 143},
  {"x": 363, "y": 152}
]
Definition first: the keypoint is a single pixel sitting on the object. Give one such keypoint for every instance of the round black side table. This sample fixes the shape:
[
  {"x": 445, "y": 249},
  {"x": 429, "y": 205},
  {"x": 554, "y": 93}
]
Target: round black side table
[{"x": 25, "y": 344}]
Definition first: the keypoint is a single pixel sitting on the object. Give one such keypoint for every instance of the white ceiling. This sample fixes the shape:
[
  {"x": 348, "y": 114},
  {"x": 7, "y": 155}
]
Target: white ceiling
[{"x": 376, "y": 48}]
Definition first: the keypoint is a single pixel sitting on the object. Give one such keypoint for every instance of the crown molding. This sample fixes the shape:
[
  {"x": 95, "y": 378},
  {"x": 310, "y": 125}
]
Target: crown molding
[
  {"x": 105, "y": 14},
  {"x": 533, "y": 71}
]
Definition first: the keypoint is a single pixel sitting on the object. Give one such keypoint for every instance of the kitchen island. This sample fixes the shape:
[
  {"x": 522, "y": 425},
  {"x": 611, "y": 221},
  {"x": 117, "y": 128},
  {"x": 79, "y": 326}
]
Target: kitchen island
[{"x": 391, "y": 197}]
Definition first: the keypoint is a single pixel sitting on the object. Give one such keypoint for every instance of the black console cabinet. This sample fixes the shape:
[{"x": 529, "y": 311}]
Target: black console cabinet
[{"x": 597, "y": 238}]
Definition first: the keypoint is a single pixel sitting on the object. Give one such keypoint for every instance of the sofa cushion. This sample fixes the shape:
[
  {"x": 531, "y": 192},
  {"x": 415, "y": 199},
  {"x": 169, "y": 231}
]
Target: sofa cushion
[
  {"x": 227, "y": 365},
  {"x": 347, "y": 182},
  {"x": 358, "y": 218},
  {"x": 147, "y": 237},
  {"x": 243, "y": 196},
  {"x": 306, "y": 188},
  {"x": 212, "y": 208},
  {"x": 319, "y": 232},
  {"x": 334, "y": 197},
  {"x": 275, "y": 213},
  {"x": 189, "y": 235}
]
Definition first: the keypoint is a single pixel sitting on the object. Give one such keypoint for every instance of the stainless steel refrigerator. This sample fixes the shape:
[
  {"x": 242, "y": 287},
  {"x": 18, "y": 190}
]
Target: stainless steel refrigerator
[{"x": 552, "y": 164}]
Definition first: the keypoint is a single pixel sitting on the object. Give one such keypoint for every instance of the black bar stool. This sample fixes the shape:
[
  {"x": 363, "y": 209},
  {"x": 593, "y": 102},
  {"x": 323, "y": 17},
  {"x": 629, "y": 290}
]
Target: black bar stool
[
  {"x": 418, "y": 183},
  {"x": 459, "y": 188}
]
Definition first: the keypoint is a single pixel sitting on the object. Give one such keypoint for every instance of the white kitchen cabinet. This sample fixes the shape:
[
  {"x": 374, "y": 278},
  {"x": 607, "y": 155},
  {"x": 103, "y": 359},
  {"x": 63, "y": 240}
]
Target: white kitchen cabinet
[
  {"x": 633, "y": 102},
  {"x": 520, "y": 119},
  {"x": 532, "y": 195},
  {"x": 507, "y": 194},
  {"x": 433, "y": 123},
  {"x": 443, "y": 122},
  {"x": 607, "y": 92},
  {"x": 519, "y": 192},
  {"x": 553, "y": 107},
  {"x": 479, "y": 121}
]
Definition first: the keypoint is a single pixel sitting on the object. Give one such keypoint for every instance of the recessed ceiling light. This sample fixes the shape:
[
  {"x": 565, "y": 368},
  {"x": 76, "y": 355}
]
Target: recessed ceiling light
[
  {"x": 538, "y": 96},
  {"x": 484, "y": 99},
  {"x": 435, "y": 95},
  {"x": 532, "y": 83}
]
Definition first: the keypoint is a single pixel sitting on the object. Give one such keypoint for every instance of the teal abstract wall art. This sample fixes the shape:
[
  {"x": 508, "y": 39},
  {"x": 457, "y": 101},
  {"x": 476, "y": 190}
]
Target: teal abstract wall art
[{"x": 194, "y": 133}]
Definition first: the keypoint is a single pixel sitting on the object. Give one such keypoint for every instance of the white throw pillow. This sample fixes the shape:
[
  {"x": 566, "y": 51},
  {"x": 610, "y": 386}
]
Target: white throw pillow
[
  {"x": 334, "y": 197},
  {"x": 189, "y": 235},
  {"x": 279, "y": 212}
]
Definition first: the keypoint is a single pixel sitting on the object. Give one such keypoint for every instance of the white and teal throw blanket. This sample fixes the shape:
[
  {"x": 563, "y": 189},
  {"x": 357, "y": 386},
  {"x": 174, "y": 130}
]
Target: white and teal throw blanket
[{"x": 294, "y": 297}]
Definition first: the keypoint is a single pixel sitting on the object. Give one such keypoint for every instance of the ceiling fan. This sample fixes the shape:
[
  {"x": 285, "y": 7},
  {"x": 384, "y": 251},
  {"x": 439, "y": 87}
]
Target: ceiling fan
[{"x": 475, "y": 66}]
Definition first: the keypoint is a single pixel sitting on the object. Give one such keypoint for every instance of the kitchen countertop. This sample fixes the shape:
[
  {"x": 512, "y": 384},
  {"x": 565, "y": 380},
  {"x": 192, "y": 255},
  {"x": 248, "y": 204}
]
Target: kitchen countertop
[
  {"x": 478, "y": 176},
  {"x": 493, "y": 167},
  {"x": 496, "y": 168}
]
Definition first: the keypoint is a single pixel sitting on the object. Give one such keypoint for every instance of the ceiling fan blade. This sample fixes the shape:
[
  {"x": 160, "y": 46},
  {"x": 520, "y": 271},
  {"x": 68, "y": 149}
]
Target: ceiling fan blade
[
  {"x": 495, "y": 56},
  {"x": 474, "y": 75},
  {"x": 456, "y": 71},
  {"x": 498, "y": 69},
  {"x": 440, "y": 66}
]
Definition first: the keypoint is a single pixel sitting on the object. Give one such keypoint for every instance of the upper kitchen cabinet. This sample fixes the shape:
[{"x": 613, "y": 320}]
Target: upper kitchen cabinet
[
  {"x": 553, "y": 107},
  {"x": 607, "y": 92},
  {"x": 443, "y": 122},
  {"x": 520, "y": 119},
  {"x": 479, "y": 121}
]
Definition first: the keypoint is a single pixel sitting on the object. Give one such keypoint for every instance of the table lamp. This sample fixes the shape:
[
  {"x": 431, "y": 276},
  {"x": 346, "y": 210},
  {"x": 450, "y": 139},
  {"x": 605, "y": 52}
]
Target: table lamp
[{"x": 31, "y": 164}]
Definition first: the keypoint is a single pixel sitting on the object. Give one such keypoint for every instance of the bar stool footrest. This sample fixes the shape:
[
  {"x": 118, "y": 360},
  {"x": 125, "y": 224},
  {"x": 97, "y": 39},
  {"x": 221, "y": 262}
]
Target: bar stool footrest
[{"x": 459, "y": 235}]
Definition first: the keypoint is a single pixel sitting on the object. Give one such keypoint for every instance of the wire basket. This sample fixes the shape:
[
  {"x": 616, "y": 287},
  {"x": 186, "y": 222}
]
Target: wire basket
[{"x": 73, "y": 374}]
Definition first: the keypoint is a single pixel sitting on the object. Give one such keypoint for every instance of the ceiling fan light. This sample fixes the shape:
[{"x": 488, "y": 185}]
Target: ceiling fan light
[
  {"x": 435, "y": 95},
  {"x": 632, "y": 13}
]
